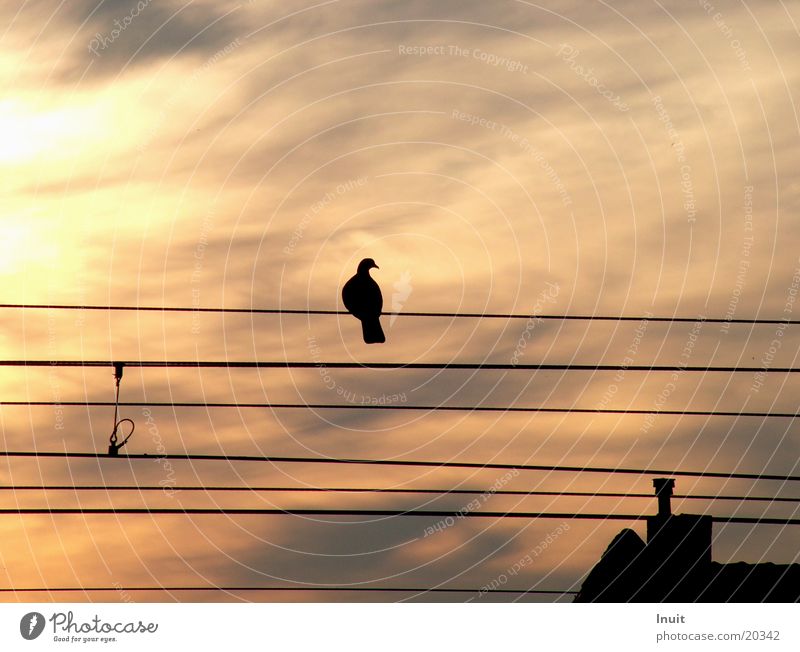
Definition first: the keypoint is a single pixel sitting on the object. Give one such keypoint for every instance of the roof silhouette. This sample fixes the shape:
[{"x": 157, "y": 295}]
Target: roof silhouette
[{"x": 675, "y": 566}]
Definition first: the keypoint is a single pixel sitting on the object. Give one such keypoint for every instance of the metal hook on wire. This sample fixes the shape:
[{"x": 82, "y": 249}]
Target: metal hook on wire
[{"x": 113, "y": 443}]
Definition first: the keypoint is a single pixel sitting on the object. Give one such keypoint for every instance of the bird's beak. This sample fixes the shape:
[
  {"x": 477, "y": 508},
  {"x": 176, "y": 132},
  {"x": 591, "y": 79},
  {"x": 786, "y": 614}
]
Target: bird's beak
[{"x": 376, "y": 267}]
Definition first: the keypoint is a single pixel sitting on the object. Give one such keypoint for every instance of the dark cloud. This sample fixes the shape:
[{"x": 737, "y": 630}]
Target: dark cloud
[{"x": 99, "y": 41}]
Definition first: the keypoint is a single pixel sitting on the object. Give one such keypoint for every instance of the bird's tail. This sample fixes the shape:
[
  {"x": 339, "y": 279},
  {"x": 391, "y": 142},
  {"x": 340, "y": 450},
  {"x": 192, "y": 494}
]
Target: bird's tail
[{"x": 372, "y": 331}]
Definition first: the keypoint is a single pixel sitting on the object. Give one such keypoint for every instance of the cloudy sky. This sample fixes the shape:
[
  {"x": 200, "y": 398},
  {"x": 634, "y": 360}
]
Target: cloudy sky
[{"x": 569, "y": 157}]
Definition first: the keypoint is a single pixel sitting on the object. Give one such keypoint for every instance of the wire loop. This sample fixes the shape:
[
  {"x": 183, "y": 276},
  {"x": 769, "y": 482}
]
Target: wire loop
[{"x": 113, "y": 441}]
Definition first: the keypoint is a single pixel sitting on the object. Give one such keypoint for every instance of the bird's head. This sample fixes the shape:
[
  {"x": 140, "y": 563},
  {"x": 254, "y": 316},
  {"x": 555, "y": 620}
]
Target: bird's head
[{"x": 365, "y": 265}]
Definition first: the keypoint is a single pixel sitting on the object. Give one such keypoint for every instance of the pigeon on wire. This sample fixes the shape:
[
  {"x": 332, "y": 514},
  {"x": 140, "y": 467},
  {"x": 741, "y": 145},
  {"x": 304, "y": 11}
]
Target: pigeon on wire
[{"x": 363, "y": 299}]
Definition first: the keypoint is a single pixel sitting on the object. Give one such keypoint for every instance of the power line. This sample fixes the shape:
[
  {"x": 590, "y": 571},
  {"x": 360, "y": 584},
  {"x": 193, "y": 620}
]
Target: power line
[
  {"x": 237, "y": 589},
  {"x": 403, "y": 463},
  {"x": 235, "y": 511},
  {"x": 393, "y": 490},
  {"x": 456, "y": 315},
  {"x": 454, "y": 366},
  {"x": 426, "y": 408},
  {"x": 231, "y": 511}
]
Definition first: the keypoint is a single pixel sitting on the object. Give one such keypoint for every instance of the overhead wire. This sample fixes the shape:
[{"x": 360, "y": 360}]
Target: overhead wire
[
  {"x": 425, "y": 408},
  {"x": 454, "y": 366},
  {"x": 238, "y": 589},
  {"x": 393, "y": 490},
  {"x": 427, "y": 513},
  {"x": 449, "y": 315},
  {"x": 279, "y": 459}
]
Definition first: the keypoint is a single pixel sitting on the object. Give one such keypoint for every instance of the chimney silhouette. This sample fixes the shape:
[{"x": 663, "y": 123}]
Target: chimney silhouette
[
  {"x": 679, "y": 546},
  {"x": 664, "y": 487}
]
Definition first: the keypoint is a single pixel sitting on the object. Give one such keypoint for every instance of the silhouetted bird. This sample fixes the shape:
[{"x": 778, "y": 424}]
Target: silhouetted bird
[{"x": 362, "y": 298}]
